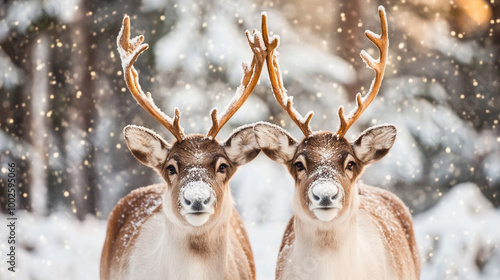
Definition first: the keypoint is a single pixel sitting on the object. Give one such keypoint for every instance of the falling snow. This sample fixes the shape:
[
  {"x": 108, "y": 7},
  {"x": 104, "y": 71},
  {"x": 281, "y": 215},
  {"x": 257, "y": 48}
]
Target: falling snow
[{"x": 64, "y": 105}]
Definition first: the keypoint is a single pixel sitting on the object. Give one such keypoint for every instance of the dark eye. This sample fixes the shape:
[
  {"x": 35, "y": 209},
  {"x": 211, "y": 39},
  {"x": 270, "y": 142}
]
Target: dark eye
[
  {"x": 350, "y": 165},
  {"x": 171, "y": 170},
  {"x": 222, "y": 168},
  {"x": 299, "y": 166}
]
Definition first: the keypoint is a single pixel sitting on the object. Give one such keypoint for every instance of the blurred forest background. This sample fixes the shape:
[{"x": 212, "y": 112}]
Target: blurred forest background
[{"x": 64, "y": 102}]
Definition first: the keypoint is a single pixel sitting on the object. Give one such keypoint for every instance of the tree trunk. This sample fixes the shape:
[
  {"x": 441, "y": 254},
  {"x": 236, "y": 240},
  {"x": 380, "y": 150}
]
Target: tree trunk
[
  {"x": 350, "y": 41},
  {"x": 38, "y": 193},
  {"x": 80, "y": 132}
]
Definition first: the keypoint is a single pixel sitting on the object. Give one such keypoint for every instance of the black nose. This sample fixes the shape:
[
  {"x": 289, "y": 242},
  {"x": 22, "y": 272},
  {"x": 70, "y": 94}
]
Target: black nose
[
  {"x": 197, "y": 206},
  {"x": 325, "y": 201}
]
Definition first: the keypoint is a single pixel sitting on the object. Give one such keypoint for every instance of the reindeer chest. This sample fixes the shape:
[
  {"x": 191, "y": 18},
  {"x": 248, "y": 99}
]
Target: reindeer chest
[
  {"x": 326, "y": 266},
  {"x": 157, "y": 254},
  {"x": 362, "y": 256},
  {"x": 331, "y": 266}
]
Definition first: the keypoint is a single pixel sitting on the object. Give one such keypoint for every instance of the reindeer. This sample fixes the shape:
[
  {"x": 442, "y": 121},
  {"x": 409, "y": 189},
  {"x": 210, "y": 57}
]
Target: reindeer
[
  {"x": 340, "y": 229},
  {"x": 186, "y": 227}
]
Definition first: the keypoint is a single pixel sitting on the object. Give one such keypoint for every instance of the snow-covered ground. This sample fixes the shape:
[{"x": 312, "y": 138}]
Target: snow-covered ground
[{"x": 458, "y": 239}]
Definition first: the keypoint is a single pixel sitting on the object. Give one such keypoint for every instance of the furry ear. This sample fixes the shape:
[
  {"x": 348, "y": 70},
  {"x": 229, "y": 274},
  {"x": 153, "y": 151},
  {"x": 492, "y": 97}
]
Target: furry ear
[
  {"x": 241, "y": 147},
  {"x": 146, "y": 146},
  {"x": 374, "y": 143},
  {"x": 275, "y": 142}
]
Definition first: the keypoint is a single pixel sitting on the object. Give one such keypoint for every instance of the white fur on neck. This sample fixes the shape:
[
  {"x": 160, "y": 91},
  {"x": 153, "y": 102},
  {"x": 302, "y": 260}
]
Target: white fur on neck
[
  {"x": 357, "y": 240},
  {"x": 162, "y": 250}
]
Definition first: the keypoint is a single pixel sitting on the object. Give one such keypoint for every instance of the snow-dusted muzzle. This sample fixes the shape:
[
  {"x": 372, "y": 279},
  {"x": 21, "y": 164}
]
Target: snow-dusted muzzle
[
  {"x": 325, "y": 196},
  {"x": 196, "y": 200}
]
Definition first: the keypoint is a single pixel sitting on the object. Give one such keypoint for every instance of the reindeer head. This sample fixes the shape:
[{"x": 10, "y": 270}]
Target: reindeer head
[
  {"x": 196, "y": 168},
  {"x": 325, "y": 165}
]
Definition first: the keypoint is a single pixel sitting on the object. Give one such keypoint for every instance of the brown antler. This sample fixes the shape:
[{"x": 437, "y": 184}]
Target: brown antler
[
  {"x": 382, "y": 43},
  {"x": 129, "y": 50},
  {"x": 251, "y": 75},
  {"x": 285, "y": 101}
]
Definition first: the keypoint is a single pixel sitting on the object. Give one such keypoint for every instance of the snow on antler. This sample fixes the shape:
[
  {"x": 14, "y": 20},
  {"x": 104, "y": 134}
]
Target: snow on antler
[
  {"x": 129, "y": 50},
  {"x": 251, "y": 75},
  {"x": 280, "y": 93},
  {"x": 382, "y": 43}
]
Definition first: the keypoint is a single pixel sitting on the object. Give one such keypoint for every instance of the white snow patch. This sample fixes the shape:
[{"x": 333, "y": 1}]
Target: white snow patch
[
  {"x": 196, "y": 190},
  {"x": 195, "y": 173},
  {"x": 306, "y": 60},
  {"x": 54, "y": 247},
  {"x": 459, "y": 238},
  {"x": 323, "y": 188},
  {"x": 491, "y": 167},
  {"x": 64, "y": 10},
  {"x": 153, "y": 5},
  {"x": 10, "y": 75},
  {"x": 21, "y": 14},
  {"x": 262, "y": 45},
  {"x": 325, "y": 173}
]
